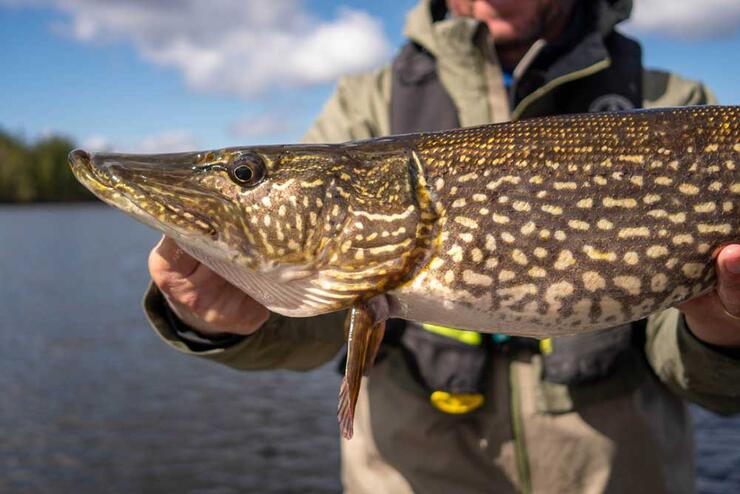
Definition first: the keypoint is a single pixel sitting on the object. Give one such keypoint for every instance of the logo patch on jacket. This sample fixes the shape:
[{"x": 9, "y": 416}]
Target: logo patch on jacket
[{"x": 610, "y": 102}]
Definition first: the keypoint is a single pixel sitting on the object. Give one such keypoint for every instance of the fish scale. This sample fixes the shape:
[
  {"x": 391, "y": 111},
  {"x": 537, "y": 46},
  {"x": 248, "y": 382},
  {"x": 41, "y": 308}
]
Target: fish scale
[{"x": 539, "y": 227}]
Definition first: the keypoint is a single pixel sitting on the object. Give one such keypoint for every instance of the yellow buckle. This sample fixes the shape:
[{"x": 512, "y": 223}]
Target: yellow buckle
[
  {"x": 456, "y": 403},
  {"x": 463, "y": 336},
  {"x": 546, "y": 346}
]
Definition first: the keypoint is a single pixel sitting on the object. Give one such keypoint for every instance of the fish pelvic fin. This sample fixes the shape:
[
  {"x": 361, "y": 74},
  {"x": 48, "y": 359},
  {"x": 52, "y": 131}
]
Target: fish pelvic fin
[{"x": 364, "y": 335}]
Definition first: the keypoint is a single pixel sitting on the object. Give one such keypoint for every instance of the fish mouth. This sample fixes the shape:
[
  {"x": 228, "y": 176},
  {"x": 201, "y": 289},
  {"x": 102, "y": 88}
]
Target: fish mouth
[{"x": 154, "y": 189}]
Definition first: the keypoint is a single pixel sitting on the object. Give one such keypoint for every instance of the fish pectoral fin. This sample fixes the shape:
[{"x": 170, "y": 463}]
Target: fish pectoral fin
[{"x": 364, "y": 335}]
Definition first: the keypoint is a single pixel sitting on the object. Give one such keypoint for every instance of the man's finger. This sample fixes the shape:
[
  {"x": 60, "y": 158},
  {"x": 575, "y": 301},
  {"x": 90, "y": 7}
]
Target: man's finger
[
  {"x": 728, "y": 279},
  {"x": 168, "y": 257}
]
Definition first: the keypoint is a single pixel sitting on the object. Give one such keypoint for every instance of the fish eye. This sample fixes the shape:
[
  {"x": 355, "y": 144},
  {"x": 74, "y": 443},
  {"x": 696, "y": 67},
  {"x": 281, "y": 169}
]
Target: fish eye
[{"x": 247, "y": 170}]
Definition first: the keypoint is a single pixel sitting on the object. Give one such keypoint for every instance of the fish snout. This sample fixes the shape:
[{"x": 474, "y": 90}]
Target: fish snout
[{"x": 79, "y": 158}]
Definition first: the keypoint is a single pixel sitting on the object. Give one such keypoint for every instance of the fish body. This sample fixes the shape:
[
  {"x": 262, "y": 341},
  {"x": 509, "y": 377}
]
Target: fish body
[{"x": 537, "y": 227}]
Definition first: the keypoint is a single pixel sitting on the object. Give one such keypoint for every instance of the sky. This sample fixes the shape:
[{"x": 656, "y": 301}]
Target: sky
[{"x": 176, "y": 75}]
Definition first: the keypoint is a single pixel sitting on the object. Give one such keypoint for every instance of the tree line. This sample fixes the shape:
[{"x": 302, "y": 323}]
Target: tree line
[{"x": 38, "y": 171}]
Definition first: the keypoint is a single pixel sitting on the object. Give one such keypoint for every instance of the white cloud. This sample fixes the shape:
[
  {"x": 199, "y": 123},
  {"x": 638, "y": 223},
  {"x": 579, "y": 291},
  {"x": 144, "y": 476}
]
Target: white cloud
[
  {"x": 686, "y": 18},
  {"x": 169, "y": 141},
  {"x": 173, "y": 141},
  {"x": 96, "y": 144},
  {"x": 259, "y": 126},
  {"x": 233, "y": 46}
]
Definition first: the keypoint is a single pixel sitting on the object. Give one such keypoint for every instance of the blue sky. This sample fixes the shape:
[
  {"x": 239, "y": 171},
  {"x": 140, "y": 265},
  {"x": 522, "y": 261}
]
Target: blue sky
[{"x": 119, "y": 74}]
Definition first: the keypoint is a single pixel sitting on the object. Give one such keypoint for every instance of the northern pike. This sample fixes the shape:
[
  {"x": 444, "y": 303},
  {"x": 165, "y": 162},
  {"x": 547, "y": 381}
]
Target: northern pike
[{"x": 537, "y": 227}]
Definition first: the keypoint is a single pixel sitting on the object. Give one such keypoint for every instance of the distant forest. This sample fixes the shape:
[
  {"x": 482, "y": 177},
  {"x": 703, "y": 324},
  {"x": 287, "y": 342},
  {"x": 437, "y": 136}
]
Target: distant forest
[{"x": 37, "y": 172}]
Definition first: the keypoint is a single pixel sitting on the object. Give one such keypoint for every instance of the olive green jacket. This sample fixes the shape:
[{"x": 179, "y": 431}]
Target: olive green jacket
[{"x": 627, "y": 433}]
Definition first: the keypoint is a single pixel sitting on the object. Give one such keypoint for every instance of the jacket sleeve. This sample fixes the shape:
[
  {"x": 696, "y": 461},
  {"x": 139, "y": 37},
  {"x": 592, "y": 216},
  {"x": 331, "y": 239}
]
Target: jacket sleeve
[
  {"x": 696, "y": 371},
  {"x": 282, "y": 343},
  {"x": 358, "y": 109}
]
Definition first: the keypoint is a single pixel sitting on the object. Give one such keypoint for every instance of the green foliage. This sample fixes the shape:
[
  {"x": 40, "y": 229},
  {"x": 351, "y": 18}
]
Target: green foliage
[{"x": 38, "y": 171}]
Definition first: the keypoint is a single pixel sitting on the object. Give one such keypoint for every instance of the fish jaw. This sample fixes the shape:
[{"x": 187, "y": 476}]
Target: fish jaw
[{"x": 148, "y": 191}]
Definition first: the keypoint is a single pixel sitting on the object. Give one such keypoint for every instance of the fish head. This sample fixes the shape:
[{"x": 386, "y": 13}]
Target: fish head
[{"x": 263, "y": 207}]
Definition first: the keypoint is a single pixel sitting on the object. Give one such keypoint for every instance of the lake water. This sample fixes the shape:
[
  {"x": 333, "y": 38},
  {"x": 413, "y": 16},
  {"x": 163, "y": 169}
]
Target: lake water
[{"x": 93, "y": 402}]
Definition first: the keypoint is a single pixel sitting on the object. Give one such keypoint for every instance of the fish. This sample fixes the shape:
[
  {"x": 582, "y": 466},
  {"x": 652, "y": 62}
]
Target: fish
[{"x": 539, "y": 227}]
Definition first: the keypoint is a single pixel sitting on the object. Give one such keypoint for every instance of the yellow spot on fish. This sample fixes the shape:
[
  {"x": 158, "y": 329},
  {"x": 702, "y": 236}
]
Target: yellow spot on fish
[
  {"x": 449, "y": 277},
  {"x": 705, "y": 207},
  {"x": 473, "y": 278},
  {"x": 436, "y": 263},
  {"x": 519, "y": 257},
  {"x": 565, "y": 260},
  {"x": 633, "y": 158},
  {"x": 655, "y": 251},
  {"x": 631, "y": 258},
  {"x": 663, "y": 180},
  {"x": 555, "y": 210},
  {"x": 658, "y": 282},
  {"x": 480, "y": 197},
  {"x": 724, "y": 228},
  {"x": 467, "y": 177},
  {"x": 540, "y": 252},
  {"x": 506, "y": 275},
  {"x": 508, "y": 179},
  {"x": 585, "y": 203},
  {"x": 637, "y": 180},
  {"x": 630, "y": 284},
  {"x": 565, "y": 186},
  {"x": 466, "y": 237},
  {"x": 651, "y": 199},
  {"x": 692, "y": 269},
  {"x": 458, "y": 203},
  {"x": 500, "y": 218},
  {"x": 466, "y": 222},
  {"x": 623, "y": 203},
  {"x": 610, "y": 308},
  {"x": 521, "y": 206},
  {"x": 683, "y": 239},
  {"x": 537, "y": 272},
  {"x": 456, "y": 253},
  {"x": 490, "y": 243},
  {"x": 605, "y": 224},
  {"x": 677, "y": 218},
  {"x": 688, "y": 189},
  {"x": 598, "y": 255},
  {"x": 528, "y": 228},
  {"x": 560, "y": 235},
  {"x": 710, "y": 148},
  {"x": 578, "y": 225}
]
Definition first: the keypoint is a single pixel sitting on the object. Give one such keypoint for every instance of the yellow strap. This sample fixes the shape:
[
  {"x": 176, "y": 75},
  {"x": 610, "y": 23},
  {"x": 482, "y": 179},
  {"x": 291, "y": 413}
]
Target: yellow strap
[
  {"x": 456, "y": 403},
  {"x": 461, "y": 335},
  {"x": 546, "y": 346}
]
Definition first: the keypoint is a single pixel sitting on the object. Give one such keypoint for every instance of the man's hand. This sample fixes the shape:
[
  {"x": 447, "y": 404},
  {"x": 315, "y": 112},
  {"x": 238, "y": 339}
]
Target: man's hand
[
  {"x": 715, "y": 316},
  {"x": 201, "y": 298}
]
